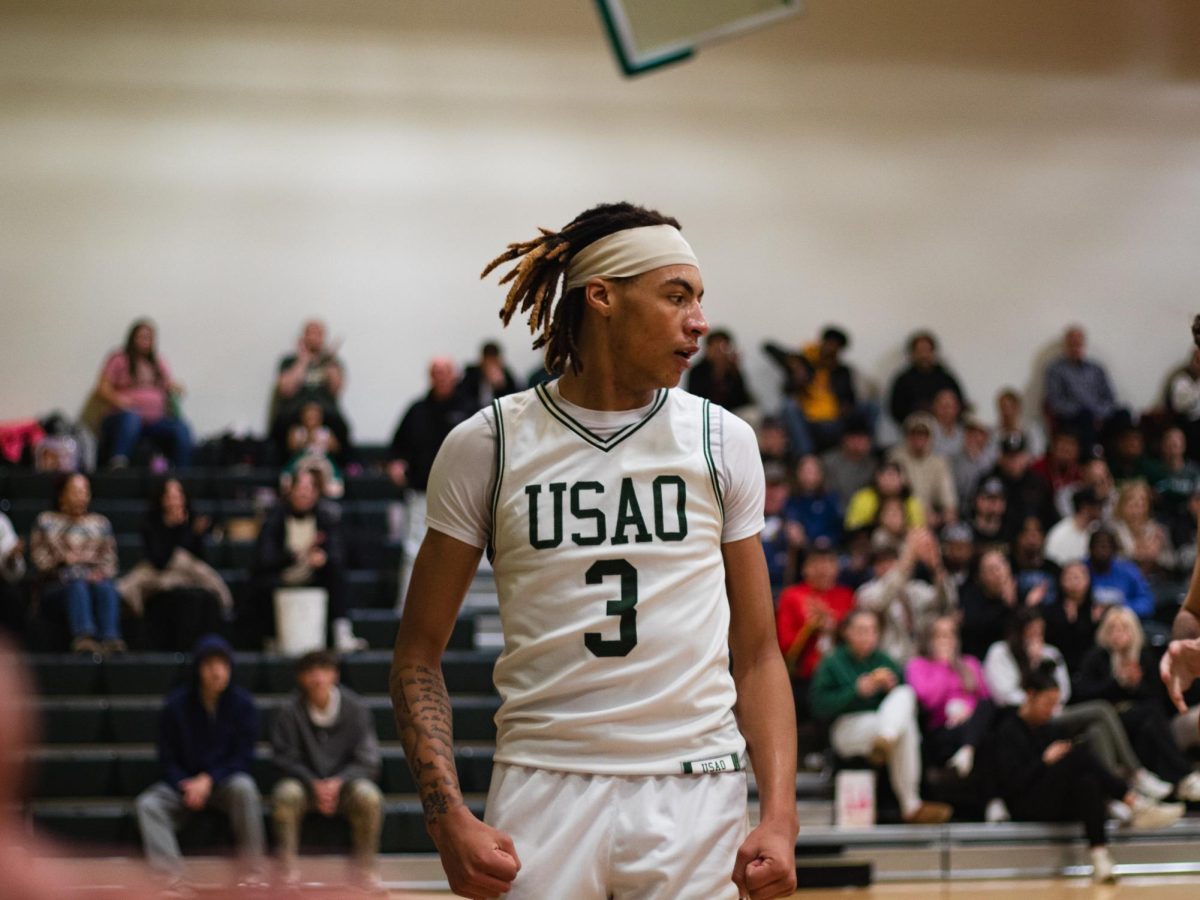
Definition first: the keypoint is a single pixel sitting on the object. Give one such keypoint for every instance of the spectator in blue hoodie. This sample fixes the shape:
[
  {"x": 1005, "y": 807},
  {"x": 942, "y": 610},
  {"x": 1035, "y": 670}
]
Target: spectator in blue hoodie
[
  {"x": 1116, "y": 581},
  {"x": 205, "y": 747}
]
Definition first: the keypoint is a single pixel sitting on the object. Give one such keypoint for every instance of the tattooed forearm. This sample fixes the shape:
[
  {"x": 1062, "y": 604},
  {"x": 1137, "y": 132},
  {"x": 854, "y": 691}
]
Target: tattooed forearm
[{"x": 423, "y": 719}]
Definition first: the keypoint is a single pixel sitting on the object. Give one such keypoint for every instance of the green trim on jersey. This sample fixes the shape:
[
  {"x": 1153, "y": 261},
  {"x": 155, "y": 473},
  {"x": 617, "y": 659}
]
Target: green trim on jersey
[
  {"x": 605, "y": 444},
  {"x": 491, "y": 547},
  {"x": 708, "y": 458}
]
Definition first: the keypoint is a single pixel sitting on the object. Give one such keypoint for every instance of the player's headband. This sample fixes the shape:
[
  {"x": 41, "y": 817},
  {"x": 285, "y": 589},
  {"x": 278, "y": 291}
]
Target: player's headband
[{"x": 630, "y": 252}]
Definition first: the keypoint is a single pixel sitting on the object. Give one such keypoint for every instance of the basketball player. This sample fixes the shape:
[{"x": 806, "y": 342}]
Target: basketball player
[{"x": 622, "y": 520}]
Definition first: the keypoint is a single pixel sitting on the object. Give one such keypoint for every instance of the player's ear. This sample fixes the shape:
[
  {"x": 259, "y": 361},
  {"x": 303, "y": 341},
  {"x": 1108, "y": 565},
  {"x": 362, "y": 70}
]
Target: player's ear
[{"x": 598, "y": 295}]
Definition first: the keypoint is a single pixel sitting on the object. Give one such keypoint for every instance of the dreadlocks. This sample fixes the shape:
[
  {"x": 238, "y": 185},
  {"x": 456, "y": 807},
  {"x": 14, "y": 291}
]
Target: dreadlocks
[{"x": 542, "y": 263}]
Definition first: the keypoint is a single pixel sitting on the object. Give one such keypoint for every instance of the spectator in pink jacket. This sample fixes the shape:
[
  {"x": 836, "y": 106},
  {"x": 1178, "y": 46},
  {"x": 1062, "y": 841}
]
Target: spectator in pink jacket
[{"x": 956, "y": 708}]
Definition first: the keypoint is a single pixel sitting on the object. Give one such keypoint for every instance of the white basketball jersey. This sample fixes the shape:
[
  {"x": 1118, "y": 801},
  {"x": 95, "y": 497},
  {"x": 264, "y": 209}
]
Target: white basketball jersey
[{"x": 607, "y": 554}]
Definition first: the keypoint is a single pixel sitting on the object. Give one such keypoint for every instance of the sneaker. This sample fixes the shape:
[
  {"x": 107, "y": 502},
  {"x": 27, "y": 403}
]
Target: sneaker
[
  {"x": 344, "y": 640},
  {"x": 1188, "y": 790},
  {"x": 996, "y": 812},
  {"x": 1151, "y": 816},
  {"x": 1151, "y": 785},
  {"x": 930, "y": 813},
  {"x": 1102, "y": 866},
  {"x": 85, "y": 644},
  {"x": 113, "y": 647},
  {"x": 1120, "y": 812}
]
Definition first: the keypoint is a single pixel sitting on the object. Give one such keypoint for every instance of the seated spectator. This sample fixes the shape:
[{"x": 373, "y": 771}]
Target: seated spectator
[
  {"x": 323, "y": 743},
  {"x": 1025, "y": 493},
  {"x": 854, "y": 564},
  {"x": 1096, "y": 478},
  {"x": 926, "y": 472},
  {"x": 811, "y": 506},
  {"x": 488, "y": 379},
  {"x": 773, "y": 444},
  {"x": 173, "y": 547},
  {"x": 906, "y": 599},
  {"x": 808, "y": 614},
  {"x": 313, "y": 374},
  {"x": 956, "y": 708},
  {"x": 1060, "y": 467},
  {"x": 781, "y": 538},
  {"x": 888, "y": 481},
  {"x": 1140, "y": 538},
  {"x": 140, "y": 395},
  {"x": 1079, "y": 395},
  {"x": 988, "y": 520},
  {"x": 948, "y": 431},
  {"x": 915, "y": 387},
  {"x": 312, "y": 445},
  {"x": 850, "y": 465},
  {"x": 1037, "y": 579},
  {"x": 958, "y": 552},
  {"x": 301, "y": 545},
  {"x": 974, "y": 459},
  {"x": 1045, "y": 777},
  {"x": 1011, "y": 422},
  {"x": 205, "y": 749},
  {"x": 819, "y": 391},
  {"x": 1067, "y": 541},
  {"x": 1008, "y": 665},
  {"x": 859, "y": 689},
  {"x": 1071, "y": 616},
  {"x": 987, "y": 601},
  {"x": 717, "y": 375},
  {"x": 1183, "y": 400},
  {"x": 12, "y": 570},
  {"x": 75, "y": 555},
  {"x": 1127, "y": 459},
  {"x": 1175, "y": 478},
  {"x": 1123, "y": 670},
  {"x": 890, "y": 527},
  {"x": 1116, "y": 581}
]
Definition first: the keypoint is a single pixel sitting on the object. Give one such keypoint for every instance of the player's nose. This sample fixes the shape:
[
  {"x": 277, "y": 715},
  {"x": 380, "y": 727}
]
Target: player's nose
[{"x": 697, "y": 325}]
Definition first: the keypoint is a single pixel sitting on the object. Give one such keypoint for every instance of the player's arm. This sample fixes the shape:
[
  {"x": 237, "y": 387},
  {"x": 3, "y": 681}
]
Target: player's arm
[
  {"x": 479, "y": 860},
  {"x": 765, "y": 865}
]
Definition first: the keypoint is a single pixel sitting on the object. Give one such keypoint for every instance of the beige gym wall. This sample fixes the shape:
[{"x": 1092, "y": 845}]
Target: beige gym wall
[{"x": 991, "y": 169}]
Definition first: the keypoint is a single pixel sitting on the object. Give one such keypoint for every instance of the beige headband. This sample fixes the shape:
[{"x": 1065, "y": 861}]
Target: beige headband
[{"x": 630, "y": 252}]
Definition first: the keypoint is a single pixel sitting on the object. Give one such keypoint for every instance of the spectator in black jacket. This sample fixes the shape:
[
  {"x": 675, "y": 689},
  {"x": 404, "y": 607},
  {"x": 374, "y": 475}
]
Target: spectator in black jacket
[
  {"x": 174, "y": 561},
  {"x": 717, "y": 375},
  {"x": 206, "y": 748},
  {"x": 301, "y": 545},
  {"x": 1071, "y": 618},
  {"x": 914, "y": 388},
  {"x": 987, "y": 602},
  {"x": 488, "y": 379},
  {"x": 1025, "y": 492}
]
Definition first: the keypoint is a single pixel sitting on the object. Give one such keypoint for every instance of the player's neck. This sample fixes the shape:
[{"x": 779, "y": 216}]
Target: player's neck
[{"x": 595, "y": 389}]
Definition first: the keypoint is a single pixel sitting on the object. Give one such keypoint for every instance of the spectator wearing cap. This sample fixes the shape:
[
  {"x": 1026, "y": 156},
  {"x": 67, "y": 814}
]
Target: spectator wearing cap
[
  {"x": 819, "y": 389},
  {"x": 987, "y": 521},
  {"x": 1067, "y": 540},
  {"x": 205, "y": 748},
  {"x": 807, "y": 617},
  {"x": 323, "y": 742},
  {"x": 976, "y": 457},
  {"x": 717, "y": 375},
  {"x": 850, "y": 465},
  {"x": 958, "y": 552},
  {"x": 909, "y": 591},
  {"x": 1025, "y": 493},
  {"x": 927, "y": 473},
  {"x": 1116, "y": 581},
  {"x": 914, "y": 388},
  {"x": 888, "y": 481},
  {"x": 1079, "y": 394}
]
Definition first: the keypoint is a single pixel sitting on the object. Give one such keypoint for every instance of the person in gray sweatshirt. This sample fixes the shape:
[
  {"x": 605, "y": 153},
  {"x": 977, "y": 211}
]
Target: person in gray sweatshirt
[{"x": 323, "y": 742}]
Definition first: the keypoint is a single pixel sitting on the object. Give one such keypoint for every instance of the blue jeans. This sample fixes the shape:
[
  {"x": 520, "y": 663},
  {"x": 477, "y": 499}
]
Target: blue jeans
[
  {"x": 93, "y": 608},
  {"x": 122, "y": 430}
]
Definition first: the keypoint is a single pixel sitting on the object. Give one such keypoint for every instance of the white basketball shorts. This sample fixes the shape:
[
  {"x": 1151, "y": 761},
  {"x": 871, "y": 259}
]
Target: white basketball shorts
[{"x": 626, "y": 837}]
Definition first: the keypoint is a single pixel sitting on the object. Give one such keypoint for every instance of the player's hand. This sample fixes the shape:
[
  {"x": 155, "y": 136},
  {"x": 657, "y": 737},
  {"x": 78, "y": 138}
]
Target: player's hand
[
  {"x": 480, "y": 861},
  {"x": 1180, "y": 666},
  {"x": 765, "y": 866}
]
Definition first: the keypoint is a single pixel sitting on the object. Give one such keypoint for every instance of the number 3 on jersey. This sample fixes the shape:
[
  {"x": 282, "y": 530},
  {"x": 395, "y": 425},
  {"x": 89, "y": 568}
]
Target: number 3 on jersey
[{"x": 626, "y": 608}]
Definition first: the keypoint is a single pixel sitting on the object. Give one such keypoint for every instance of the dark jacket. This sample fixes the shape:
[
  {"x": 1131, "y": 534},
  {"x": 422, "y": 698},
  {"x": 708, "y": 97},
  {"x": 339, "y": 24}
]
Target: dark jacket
[
  {"x": 984, "y": 619},
  {"x": 422, "y": 431},
  {"x": 161, "y": 541},
  {"x": 914, "y": 390},
  {"x": 1073, "y": 639},
  {"x": 1019, "y": 767},
  {"x": 191, "y": 742},
  {"x": 271, "y": 555},
  {"x": 1094, "y": 680}
]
